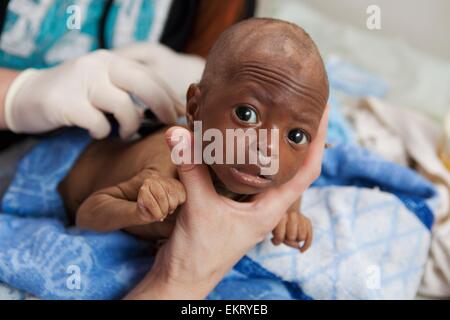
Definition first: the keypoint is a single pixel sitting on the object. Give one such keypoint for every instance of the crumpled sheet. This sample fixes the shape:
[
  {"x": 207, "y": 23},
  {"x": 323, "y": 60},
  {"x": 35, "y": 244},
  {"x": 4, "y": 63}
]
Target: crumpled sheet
[{"x": 407, "y": 137}]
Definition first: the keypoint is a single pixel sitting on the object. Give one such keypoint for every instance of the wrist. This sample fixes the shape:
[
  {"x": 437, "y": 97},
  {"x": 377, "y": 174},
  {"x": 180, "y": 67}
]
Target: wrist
[
  {"x": 157, "y": 286},
  {"x": 7, "y": 77},
  {"x": 11, "y": 95},
  {"x": 166, "y": 282}
]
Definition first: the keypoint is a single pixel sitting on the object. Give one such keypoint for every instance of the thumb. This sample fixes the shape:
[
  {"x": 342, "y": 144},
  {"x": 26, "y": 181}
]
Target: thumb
[{"x": 194, "y": 176}]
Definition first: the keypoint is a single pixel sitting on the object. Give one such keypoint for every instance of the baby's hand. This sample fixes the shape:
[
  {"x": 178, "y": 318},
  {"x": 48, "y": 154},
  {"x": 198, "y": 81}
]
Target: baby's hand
[
  {"x": 292, "y": 229},
  {"x": 159, "y": 196}
]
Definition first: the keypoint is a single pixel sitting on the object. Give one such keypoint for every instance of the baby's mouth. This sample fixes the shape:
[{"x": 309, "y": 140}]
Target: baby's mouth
[{"x": 250, "y": 175}]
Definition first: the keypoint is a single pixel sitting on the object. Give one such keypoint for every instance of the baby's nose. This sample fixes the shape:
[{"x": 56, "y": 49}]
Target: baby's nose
[{"x": 268, "y": 142}]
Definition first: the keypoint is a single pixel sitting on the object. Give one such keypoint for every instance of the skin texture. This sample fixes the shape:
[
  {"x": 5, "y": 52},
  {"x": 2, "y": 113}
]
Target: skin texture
[
  {"x": 6, "y": 78},
  {"x": 269, "y": 66}
]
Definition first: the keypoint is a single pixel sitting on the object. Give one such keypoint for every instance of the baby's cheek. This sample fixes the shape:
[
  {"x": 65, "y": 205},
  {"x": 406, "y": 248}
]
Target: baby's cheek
[{"x": 290, "y": 163}]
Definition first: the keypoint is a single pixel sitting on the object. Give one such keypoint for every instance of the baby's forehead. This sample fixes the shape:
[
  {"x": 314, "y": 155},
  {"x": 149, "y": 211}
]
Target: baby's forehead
[
  {"x": 276, "y": 83},
  {"x": 277, "y": 100},
  {"x": 285, "y": 66}
]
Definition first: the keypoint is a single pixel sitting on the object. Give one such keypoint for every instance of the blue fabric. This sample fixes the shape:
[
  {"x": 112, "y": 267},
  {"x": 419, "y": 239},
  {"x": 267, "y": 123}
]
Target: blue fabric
[
  {"x": 254, "y": 271},
  {"x": 348, "y": 80},
  {"x": 40, "y": 175},
  {"x": 354, "y": 81},
  {"x": 37, "y": 255},
  {"x": 339, "y": 130},
  {"x": 348, "y": 164}
]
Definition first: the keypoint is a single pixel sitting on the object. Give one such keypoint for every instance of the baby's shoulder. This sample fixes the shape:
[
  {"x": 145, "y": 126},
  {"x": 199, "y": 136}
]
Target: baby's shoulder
[{"x": 153, "y": 152}]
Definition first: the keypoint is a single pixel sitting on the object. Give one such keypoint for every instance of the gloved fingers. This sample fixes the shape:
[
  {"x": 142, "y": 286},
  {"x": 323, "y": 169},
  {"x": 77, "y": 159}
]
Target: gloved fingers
[
  {"x": 89, "y": 118},
  {"x": 180, "y": 109},
  {"x": 145, "y": 52},
  {"x": 157, "y": 97},
  {"x": 109, "y": 98},
  {"x": 138, "y": 80}
]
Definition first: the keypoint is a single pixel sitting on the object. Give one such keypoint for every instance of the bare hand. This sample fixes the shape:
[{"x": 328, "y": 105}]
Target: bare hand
[{"x": 212, "y": 233}]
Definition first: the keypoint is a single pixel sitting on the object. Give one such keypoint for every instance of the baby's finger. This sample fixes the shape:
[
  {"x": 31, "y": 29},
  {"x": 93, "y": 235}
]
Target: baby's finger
[
  {"x": 172, "y": 196},
  {"x": 148, "y": 205},
  {"x": 176, "y": 194},
  {"x": 160, "y": 194},
  {"x": 292, "y": 244},
  {"x": 308, "y": 238},
  {"x": 292, "y": 227},
  {"x": 180, "y": 190},
  {"x": 279, "y": 232}
]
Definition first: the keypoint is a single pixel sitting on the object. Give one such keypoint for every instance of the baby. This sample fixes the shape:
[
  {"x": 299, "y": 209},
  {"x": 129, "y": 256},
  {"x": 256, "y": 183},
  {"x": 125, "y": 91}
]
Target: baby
[{"x": 261, "y": 74}]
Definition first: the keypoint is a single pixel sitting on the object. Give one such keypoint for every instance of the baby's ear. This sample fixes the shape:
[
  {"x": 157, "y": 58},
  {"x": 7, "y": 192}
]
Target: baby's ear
[{"x": 193, "y": 105}]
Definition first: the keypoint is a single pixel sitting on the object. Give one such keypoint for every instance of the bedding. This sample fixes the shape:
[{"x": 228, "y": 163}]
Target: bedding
[
  {"x": 371, "y": 218},
  {"x": 418, "y": 138}
]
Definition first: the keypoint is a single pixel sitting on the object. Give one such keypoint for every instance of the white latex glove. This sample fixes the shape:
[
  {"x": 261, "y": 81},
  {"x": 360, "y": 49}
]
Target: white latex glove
[
  {"x": 75, "y": 94},
  {"x": 178, "y": 70}
]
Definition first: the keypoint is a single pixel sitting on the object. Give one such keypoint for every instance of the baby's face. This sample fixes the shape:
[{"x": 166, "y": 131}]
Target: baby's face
[{"x": 249, "y": 102}]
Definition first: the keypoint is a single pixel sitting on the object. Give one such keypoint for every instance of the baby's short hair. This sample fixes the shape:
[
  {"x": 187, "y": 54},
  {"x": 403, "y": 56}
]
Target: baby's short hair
[{"x": 266, "y": 39}]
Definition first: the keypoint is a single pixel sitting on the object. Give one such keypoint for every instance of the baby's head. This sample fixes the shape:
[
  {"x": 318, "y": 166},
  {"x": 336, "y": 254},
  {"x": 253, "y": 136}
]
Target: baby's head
[{"x": 261, "y": 74}]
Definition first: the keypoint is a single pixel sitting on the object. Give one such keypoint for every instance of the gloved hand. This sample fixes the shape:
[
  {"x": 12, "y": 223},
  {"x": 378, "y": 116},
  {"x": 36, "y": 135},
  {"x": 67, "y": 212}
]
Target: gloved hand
[
  {"x": 75, "y": 94},
  {"x": 176, "y": 69}
]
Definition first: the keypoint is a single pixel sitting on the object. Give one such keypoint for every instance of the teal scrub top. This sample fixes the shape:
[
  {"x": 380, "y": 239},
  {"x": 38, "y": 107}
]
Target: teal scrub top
[{"x": 44, "y": 33}]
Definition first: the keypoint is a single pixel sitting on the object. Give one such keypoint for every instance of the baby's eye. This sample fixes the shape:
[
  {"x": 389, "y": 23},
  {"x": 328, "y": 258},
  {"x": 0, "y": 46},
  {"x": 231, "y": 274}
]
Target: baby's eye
[
  {"x": 246, "y": 114},
  {"x": 298, "y": 136}
]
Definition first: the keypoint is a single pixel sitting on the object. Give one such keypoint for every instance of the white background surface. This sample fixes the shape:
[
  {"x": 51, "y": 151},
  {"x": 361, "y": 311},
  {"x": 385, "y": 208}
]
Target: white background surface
[{"x": 423, "y": 24}]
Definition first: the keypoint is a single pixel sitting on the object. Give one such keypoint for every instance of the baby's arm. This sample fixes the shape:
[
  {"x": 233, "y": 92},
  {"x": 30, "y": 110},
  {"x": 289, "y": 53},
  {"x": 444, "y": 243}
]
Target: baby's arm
[
  {"x": 293, "y": 228},
  {"x": 146, "y": 198}
]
